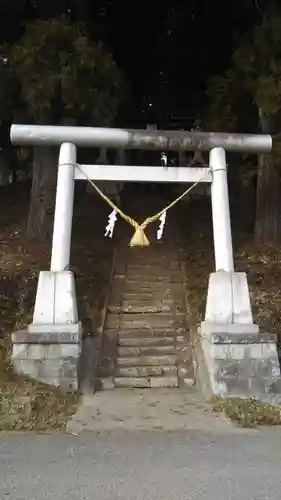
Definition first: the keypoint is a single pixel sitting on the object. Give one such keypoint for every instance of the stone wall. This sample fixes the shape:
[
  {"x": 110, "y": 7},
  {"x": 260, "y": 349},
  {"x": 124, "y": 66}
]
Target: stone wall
[
  {"x": 238, "y": 366},
  {"x": 46, "y": 360}
]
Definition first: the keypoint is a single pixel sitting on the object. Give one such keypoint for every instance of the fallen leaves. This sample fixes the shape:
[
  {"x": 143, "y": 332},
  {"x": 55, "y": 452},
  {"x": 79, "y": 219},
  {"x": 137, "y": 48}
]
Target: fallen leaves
[
  {"x": 27, "y": 405},
  {"x": 262, "y": 266},
  {"x": 24, "y": 403}
]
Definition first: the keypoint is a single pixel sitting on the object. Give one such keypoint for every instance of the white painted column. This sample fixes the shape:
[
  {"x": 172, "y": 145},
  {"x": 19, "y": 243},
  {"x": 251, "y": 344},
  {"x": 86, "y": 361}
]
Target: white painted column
[
  {"x": 64, "y": 208},
  {"x": 220, "y": 211}
]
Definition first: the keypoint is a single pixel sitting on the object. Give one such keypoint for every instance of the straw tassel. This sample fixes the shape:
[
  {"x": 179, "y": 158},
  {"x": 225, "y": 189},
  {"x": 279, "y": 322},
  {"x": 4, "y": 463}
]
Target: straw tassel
[{"x": 139, "y": 238}]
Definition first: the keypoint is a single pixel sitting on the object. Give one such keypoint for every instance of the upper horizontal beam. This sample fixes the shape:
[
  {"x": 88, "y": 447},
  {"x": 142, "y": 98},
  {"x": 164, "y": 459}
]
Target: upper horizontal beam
[
  {"x": 126, "y": 173},
  {"x": 176, "y": 140}
]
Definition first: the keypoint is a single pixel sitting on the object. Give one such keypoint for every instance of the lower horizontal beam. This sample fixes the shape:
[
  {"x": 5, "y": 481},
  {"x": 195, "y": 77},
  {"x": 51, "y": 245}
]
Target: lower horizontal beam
[{"x": 126, "y": 173}]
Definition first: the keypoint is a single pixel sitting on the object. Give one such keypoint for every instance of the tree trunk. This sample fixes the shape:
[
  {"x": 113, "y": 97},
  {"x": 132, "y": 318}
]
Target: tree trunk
[
  {"x": 247, "y": 205},
  {"x": 268, "y": 201},
  {"x": 42, "y": 202},
  {"x": 268, "y": 206}
]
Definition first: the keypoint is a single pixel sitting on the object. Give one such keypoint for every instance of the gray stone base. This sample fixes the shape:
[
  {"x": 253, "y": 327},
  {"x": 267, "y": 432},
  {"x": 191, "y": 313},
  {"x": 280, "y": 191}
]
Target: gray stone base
[
  {"x": 234, "y": 365},
  {"x": 49, "y": 358}
]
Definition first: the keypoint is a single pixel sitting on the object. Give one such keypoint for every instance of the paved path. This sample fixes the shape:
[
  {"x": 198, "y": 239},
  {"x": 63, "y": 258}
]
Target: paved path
[
  {"x": 149, "y": 410},
  {"x": 141, "y": 465}
]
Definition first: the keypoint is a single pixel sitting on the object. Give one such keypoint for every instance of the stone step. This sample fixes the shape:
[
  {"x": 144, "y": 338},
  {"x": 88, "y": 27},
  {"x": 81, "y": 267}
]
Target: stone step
[
  {"x": 146, "y": 371},
  {"x": 120, "y": 287},
  {"x": 151, "y": 277},
  {"x": 167, "y": 264},
  {"x": 147, "y": 307},
  {"x": 158, "y": 360},
  {"x": 169, "y": 306},
  {"x": 162, "y": 382},
  {"x": 180, "y": 333},
  {"x": 145, "y": 321},
  {"x": 146, "y": 276},
  {"x": 134, "y": 255},
  {"x": 167, "y": 299},
  {"x": 153, "y": 260},
  {"x": 150, "y": 269},
  {"x": 146, "y": 315},
  {"x": 120, "y": 290},
  {"x": 150, "y": 287},
  {"x": 142, "y": 382},
  {"x": 162, "y": 295},
  {"x": 133, "y": 382},
  {"x": 160, "y": 320},
  {"x": 145, "y": 341},
  {"x": 148, "y": 283},
  {"x": 173, "y": 265},
  {"x": 147, "y": 350},
  {"x": 152, "y": 281}
]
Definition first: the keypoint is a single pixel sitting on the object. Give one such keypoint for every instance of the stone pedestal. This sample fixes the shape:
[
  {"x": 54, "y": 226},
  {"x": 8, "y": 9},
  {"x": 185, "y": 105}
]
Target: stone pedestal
[
  {"x": 238, "y": 365},
  {"x": 49, "y": 349},
  {"x": 228, "y": 306},
  {"x": 233, "y": 358},
  {"x": 47, "y": 357}
]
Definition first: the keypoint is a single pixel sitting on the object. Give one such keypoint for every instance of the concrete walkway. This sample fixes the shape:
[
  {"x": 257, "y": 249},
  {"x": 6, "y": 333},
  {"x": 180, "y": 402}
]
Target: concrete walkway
[
  {"x": 148, "y": 410},
  {"x": 141, "y": 465}
]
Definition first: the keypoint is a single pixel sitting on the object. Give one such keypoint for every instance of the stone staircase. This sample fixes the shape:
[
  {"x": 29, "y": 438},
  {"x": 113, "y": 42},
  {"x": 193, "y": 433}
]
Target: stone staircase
[{"x": 145, "y": 340}]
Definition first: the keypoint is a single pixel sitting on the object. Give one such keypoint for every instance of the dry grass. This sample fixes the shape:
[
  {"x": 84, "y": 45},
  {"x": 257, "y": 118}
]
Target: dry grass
[
  {"x": 262, "y": 266},
  {"x": 248, "y": 413},
  {"x": 25, "y": 404}
]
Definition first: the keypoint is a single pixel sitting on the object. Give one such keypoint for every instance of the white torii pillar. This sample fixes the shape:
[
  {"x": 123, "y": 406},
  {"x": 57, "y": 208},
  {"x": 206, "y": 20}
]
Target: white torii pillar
[
  {"x": 55, "y": 308},
  {"x": 228, "y": 299}
]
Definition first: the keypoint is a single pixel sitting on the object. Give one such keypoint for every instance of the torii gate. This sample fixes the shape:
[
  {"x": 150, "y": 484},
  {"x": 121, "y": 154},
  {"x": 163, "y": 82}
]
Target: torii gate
[{"x": 228, "y": 318}]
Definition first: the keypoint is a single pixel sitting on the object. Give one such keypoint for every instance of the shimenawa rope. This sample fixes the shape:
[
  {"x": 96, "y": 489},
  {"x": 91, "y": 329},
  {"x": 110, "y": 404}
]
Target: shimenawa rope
[{"x": 139, "y": 237}]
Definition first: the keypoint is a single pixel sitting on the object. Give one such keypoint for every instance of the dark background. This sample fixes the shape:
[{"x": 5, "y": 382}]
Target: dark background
[{"x": 167, "y": 49}]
